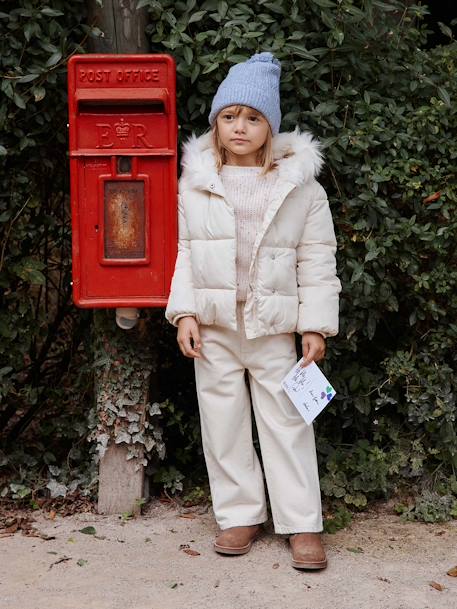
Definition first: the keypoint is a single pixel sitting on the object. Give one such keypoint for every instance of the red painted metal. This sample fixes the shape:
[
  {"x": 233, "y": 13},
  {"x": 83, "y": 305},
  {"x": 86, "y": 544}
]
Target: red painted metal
[{"x": 123, "y": 171}]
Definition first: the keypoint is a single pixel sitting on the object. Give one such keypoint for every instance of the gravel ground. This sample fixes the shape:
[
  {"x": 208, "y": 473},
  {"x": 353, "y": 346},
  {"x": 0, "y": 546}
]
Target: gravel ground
[{"x": 164, "y": 559}]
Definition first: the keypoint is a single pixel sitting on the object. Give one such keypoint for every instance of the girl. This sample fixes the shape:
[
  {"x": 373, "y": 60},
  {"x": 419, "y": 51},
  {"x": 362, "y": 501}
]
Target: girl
[{"x": 256, "y": 263}]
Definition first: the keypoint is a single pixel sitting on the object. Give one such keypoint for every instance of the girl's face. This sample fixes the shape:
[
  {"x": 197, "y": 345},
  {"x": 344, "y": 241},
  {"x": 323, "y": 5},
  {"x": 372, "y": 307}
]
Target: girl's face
[{"x": 242, "y": 135}]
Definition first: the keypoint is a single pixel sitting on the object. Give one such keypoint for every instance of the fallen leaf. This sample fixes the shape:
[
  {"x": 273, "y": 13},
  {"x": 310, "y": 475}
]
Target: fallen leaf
[
  {"x": 452, "y": 572},
  {"x": 189, "y": 515},
  {"x": 191, "y": 552},
  {"x": 437, "y": 586},
  {"x": 34, "y": 533},
  {"x": 63, "y": 559},
  {"x": 88, "y": 531},
  {"x": 355, "y": 550},
  {"x": 276, "y": 565},
  {"x": 52, "y": 514},
  {"x": 433, "y": 197},
  {"x": 384, "y": 579},
  {"x": 81, "y": 562},
  {"x": 12, "y": 529},
  {"x": 23, "y": 523}
]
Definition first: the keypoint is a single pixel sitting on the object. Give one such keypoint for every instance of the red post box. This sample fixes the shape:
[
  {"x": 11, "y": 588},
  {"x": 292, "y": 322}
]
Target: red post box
[{"x": 123, "y": 169}]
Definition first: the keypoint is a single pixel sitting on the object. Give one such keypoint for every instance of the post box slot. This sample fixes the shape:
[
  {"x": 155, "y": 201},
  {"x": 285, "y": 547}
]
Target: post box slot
[
  {"x": 124, "y": 220},
  {"x": 151, "y": 98}
]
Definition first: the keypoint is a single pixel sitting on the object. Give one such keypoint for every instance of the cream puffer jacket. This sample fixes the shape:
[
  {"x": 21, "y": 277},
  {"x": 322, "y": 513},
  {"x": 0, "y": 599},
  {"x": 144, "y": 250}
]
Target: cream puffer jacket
[{"x": 293, "y": 285}]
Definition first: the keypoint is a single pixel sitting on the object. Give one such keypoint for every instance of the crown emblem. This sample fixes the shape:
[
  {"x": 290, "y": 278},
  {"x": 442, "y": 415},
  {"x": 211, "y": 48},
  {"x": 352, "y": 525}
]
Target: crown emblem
[{"x": 122, "y": 129}]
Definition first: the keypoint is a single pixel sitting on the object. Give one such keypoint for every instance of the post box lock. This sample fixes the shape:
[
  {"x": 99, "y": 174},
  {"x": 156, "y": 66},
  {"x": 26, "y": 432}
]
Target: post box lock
[{"x": 123, "y": 165}]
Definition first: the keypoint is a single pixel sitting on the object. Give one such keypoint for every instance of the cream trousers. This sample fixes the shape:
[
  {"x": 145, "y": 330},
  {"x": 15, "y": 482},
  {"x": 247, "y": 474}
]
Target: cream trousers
[{"x": 286, "y": 442}]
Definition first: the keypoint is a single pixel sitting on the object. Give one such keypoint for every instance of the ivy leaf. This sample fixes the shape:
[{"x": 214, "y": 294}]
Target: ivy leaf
[
  {"x": 210, "y": 68},
  {"x": 47, "y": 46},
  {"x": 444, "y": 96},
  {"x": 198, "y": 16},
  {"x": 51, "y": 12},
  {"x": 7, "y": 88},
  {"x": 324, "y": 3},
  {"x": 39, "y": 93},
  {"x": 122, "y": 436},
  {"x": 19, "y": 101},
  {"x": 301, "y": 51},
  {"x": 445, "y": 29},
  {"x": 55, "y": 58},
  {"x": 188, "y": 55},
  {"x": 253, "y": 34},
  {"x": 27, "y": 78},
  {"x": 57, "y": 489},
  {"x": 325, "y": 108},
  {"x": 195, "y": 72},
  {"x": 29, "y": 269}
]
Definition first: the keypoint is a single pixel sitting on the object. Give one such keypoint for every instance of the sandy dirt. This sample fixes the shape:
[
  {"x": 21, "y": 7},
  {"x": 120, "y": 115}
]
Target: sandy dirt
[{"x": 377, "y": 563}]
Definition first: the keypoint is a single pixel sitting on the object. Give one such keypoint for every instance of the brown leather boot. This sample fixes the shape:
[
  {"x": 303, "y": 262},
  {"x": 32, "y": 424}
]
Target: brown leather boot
[
  {"x": 307, "y": 551},
  {"x": 236, "y": 540}
]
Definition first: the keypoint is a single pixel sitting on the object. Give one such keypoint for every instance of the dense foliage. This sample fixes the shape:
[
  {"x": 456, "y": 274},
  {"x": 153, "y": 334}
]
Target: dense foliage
[{"x": 359, "y": 75}]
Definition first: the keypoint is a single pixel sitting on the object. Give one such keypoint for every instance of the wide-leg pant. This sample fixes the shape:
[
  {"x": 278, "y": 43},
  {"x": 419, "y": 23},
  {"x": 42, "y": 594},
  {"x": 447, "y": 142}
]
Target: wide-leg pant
[{"x": 286, "y": 442}]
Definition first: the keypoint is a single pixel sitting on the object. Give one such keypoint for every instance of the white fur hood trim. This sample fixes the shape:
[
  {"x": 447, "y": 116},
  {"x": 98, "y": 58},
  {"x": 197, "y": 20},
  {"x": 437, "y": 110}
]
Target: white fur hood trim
[{"x": 298, "y": 155}]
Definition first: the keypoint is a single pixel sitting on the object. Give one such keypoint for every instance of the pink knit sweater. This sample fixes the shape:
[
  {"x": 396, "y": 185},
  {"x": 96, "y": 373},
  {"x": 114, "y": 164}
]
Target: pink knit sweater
[{"x": 250, "y": 194}]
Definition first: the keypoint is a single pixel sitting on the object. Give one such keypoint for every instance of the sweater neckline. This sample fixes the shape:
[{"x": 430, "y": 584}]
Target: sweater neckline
[{"x": 239, "y": 170}]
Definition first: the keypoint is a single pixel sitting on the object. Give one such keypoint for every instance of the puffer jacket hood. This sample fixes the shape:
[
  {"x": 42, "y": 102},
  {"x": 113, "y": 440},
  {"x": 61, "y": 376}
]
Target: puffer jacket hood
[
  {"x": 298, "y": 156},
  {"x": 293, "y": 285}
]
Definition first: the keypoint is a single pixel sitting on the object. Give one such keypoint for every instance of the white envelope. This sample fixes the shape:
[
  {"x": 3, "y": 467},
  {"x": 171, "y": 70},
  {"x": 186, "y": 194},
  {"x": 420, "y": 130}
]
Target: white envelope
[{"x": 308, "y": 389}]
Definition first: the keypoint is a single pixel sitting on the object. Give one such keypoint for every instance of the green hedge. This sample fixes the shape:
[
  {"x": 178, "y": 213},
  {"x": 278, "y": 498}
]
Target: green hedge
[{"x": 359, "y": 75}]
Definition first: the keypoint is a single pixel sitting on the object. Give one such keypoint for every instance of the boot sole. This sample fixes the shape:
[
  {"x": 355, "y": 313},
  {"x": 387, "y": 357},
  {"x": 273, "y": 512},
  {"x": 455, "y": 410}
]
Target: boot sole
[
  {"x": 235, "y": 551},
  {"x": 309, "y": 565}
]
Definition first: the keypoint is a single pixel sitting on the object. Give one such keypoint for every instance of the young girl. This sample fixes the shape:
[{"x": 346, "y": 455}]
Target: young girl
[{"x": 256, "y": 263}]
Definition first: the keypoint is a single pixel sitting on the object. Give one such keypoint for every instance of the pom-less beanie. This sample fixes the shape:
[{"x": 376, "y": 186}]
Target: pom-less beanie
[{"x": 253, "y": 83}]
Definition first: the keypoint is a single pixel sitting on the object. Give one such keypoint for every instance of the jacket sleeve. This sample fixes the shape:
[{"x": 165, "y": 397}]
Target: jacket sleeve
[
  {"x": 318, "y": 284},
  {"x": 181, "y": 301}
]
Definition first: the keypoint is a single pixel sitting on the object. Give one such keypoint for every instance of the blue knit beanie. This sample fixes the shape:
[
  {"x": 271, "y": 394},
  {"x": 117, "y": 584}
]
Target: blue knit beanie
[{"x": 253, "y": 83}]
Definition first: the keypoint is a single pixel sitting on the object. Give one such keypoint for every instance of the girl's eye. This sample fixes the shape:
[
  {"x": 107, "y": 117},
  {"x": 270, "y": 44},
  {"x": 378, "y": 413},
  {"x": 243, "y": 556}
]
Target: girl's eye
[{"x": 254, "y": 118}]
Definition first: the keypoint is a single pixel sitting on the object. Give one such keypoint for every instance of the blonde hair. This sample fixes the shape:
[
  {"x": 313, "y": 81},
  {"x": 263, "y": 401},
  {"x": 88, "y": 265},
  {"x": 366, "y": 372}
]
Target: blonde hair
[{"x": 264, "y": 156}]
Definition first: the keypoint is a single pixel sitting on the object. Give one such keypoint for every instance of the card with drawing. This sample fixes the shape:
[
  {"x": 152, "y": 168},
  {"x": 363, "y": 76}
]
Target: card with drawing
[{"x": 308, "y": 389}]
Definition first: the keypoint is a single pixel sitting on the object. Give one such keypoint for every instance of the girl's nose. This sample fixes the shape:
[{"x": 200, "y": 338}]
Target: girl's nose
[{"x": 239, "y": 125}]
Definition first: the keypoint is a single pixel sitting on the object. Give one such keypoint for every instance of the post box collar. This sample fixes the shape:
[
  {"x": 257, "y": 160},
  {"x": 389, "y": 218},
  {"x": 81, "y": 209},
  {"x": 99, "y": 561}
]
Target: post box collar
[{"x": 298, "y": 156}]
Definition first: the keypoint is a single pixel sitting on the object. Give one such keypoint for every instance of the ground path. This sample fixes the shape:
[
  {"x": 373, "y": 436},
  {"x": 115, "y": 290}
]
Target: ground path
[{"x": 151, "y": 562}]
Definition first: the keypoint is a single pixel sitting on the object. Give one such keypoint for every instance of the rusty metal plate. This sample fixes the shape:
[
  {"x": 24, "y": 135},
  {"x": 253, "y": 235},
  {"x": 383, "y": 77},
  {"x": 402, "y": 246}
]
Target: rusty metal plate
[{"x": 124, "y": 219}]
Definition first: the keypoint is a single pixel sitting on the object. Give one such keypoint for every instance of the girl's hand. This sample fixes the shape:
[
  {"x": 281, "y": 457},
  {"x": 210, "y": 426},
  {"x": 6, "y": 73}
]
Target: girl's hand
[
  {"x": 187, "y": 330},
  {"x": 313, "y": 345}
]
